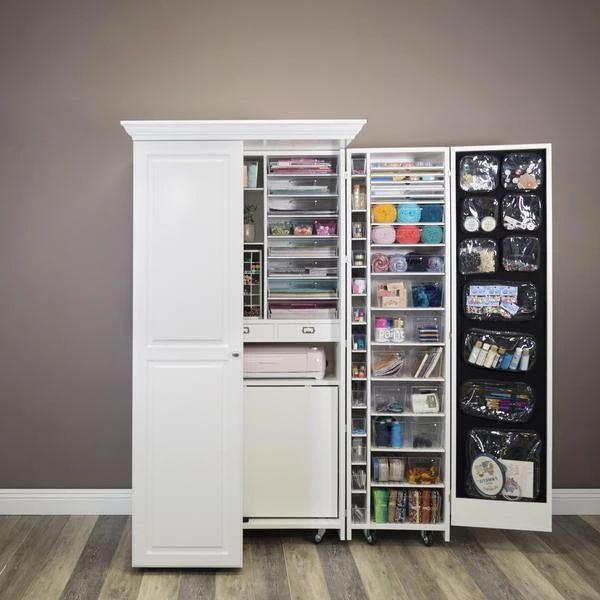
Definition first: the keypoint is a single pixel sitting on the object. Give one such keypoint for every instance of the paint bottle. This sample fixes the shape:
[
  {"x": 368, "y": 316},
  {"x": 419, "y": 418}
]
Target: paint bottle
[
  {"x": 499, "y": 358},
  {"x": 482, "y": 355},
  {"x": 491, "y": 357},
  {"x": 524, "y": 366},
  {"x": 506, "y": 361},
  {"x": 516, "y": 358},
  {"x": 475, "y": 352}
]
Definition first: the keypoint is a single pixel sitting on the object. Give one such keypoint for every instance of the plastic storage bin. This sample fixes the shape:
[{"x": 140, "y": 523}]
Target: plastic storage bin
[
  {"x": 388, "y": 398},
  {"x": 426, "y": 433},
  {"x": 424, "y": 470},
  {"x": 425, "y": 399}
]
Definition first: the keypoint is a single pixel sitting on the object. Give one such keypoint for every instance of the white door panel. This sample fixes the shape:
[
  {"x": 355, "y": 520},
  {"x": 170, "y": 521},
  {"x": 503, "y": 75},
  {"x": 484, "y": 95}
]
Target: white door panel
[{"x": 187, "y": 325}]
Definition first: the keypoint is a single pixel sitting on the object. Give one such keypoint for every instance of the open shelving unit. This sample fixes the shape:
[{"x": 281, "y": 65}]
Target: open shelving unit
[{"x": 401, "y": 178}]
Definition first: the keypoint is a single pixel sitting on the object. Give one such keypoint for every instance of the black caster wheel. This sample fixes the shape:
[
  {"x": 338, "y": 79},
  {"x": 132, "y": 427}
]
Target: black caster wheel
[
  {"x": 370, "y": 537},
  {"x": 319, "y": 536},
  {"x": 427, "y": 537}
]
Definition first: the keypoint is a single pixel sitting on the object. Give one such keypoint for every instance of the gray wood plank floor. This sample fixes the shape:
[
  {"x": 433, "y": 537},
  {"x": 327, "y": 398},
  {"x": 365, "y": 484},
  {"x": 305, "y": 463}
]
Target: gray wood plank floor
[{"x": 86, "y": 557}]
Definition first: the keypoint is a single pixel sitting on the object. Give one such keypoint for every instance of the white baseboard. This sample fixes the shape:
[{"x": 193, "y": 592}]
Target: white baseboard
[
  {"x": 576, "y": 501},
  {"x": 65, "y": 502},
  {"x": 118, "y": 502}
]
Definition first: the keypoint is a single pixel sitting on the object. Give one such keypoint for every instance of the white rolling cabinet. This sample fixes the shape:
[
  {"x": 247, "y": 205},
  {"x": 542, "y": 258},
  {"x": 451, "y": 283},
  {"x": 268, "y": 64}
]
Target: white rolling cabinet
[{"x": 190, "y": 199}]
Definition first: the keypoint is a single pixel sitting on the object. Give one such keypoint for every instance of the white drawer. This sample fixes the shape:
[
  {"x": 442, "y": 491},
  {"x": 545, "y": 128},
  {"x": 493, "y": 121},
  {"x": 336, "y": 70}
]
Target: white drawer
[
  {"x": 257, "y": 332},
  {"x": 315, "y": 332}
]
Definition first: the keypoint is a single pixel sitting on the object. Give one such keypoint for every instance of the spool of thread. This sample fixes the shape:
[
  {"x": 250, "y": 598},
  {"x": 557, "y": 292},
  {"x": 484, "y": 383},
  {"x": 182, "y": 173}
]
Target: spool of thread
[
  {"x": 432, "y": 213},
  {"x": 432, "y": 234},
  {"x": 408, "y": 234},
  {"x": 383, "y": 234},
  {"x": 409, "y": 213}
]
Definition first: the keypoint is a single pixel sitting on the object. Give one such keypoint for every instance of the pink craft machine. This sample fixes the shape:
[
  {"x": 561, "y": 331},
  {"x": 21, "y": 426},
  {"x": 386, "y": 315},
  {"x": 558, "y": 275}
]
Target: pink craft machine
[{"x": 278, "y": 361}]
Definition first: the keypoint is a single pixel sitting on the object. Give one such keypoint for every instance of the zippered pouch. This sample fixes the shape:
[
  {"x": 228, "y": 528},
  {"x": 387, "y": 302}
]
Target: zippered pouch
[
  {"x": 499, "y": 350},
  {"x": 500, "y": 300},
  {"x": 503, "y": 465},
  {"x": 497, "y": 401}
]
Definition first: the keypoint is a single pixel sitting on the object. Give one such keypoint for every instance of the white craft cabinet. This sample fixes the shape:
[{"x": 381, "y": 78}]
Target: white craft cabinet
[{"x": 214, "y": 455}]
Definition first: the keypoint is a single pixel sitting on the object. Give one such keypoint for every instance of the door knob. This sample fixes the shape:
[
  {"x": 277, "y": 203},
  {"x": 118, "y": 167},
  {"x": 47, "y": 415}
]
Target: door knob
[{"x": 235, "y": 354}]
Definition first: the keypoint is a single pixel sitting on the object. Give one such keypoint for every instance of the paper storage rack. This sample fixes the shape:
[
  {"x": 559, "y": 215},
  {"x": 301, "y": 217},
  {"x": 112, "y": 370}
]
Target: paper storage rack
[{"x": 399, "y": 416}]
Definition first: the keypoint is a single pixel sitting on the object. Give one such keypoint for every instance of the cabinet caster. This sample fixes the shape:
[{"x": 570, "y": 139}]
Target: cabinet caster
[
  {"x": 427, "y": 537},
  {"x": 370, "y": 537},
  {"x": 319, "y": 535}
]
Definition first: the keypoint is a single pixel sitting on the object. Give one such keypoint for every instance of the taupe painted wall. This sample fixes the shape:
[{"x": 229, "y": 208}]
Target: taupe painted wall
[{"x": 422, "y": 73}]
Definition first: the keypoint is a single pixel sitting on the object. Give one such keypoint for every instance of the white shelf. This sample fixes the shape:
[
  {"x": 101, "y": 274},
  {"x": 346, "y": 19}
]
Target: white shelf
[
  {"x": 408, "y": 308},
  {"x": 439, "y": 344},
  {"x": 302, "y": 237},
  {"x": 417, "y": 379},
  {"x": 359, "y": 210},
  {"x": 409, "y": 450},
  {"x": 256, "y": 189},
  {"x": 302, "y": 257},
  {"x": 407, "y": 245},
  {"x": 308, "y": 196},
  {"x": 304, "y": 215},
  {"x": 359, "y": 435},
  {"x": 302, "y": 277},
  {"x": 403, "y": 526},
  {"x": 327, "y": 380},
  {"x": 407, "y": 414},
  {"x": 359, "y": 239},
  {"x": 358, "y": 351},
  {"x": 359, "y": 379},
  {"x": 409, "y": 274},
  {"x": 307, "y": 297},
  {"x": 303, "y": 175},
  {"x": 436, "y": 170},
  {"x": 359, "y": 295},
  {"x": 407, "y": 485},
  {"x": 411, "y": 200},
  {"x": 359, "y": 322},
  {"x": 359, "y": 491}
]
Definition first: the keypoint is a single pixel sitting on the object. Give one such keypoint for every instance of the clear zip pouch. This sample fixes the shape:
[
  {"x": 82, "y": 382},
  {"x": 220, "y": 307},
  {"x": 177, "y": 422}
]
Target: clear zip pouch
[
  {"x": 498, "y": 401},
  {"x": 478, "y": 173},
  {"x": 503, "y": 465},
  {"x": 479, "y": 213},
  {"x": 499, "y": 350},
  {"x": 522, "y": 171},
  {"x": 500, "y": 300},
  {"x": 521, "y": 212},
  {"x": 521, "y": 253},
  {"x": 477, "y": 256}
]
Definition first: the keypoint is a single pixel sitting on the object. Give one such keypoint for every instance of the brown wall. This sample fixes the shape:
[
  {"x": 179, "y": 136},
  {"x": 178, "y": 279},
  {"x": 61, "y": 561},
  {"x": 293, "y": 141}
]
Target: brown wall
[{"x": 422, "y": 73}]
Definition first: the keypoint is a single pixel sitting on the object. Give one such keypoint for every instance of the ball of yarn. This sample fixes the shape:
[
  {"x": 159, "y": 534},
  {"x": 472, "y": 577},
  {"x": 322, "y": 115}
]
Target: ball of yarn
[
  {"x": 435, "y": 264},
  {"x": 380, "y": 263},
  {"x": 383, "y": 234},
  {"x": 409, "y": 213},
  {"x": 427, "y": 295},
  {"x": 384, "y": 213},
  {"x": 432, "y": 234},
  {"x": 398, "y": 263},
  {"x": 432, "y": 213},
  {"x": 415, "y": 262},
  {"x": 408, "y": 234}
]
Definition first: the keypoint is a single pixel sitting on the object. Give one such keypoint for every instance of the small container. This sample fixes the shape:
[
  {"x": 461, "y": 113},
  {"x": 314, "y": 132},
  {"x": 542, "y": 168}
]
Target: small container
[
  {"x": 359, "y": 449},
  {"x": 303, "y": 229},
  {"x": 359, "y": 285},
  {"x": 424, "y": 470},
  {"x": 280, "y": 228},
  {"x": 358, "y": 229},
  {"x": 359, "y": 197},
  {"x": 358, "y": 259},
  {"x": 358, "y": 426},
  {"x": 325, "y": 227},
  {"x": 383, "y": 331}
]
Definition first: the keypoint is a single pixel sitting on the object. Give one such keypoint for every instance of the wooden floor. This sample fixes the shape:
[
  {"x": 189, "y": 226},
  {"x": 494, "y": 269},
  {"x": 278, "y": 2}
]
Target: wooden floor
[{"x": 86, "y": 557}]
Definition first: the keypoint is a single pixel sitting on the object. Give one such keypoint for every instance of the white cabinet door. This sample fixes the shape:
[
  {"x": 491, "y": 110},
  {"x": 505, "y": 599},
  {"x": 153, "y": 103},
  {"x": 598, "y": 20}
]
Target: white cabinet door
[
  {"x": 517, "y": 480},
  {"x": 291, "y": 451},
  {"x": 187, "y": 364}
]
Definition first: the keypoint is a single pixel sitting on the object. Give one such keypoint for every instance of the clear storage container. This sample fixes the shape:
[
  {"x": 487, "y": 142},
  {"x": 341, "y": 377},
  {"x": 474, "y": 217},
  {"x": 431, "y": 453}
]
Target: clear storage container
[
  {"x": 424, "y": 470},
  {"x": 302, "y": 186},
  {"x": 426, "y": 433},
  {"x": 426, "y": 399},
  {"x": 388, "y": 397}
]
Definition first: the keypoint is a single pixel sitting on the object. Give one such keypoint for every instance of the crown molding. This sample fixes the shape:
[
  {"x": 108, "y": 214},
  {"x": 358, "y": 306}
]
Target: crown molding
[{"x": 341, "y": 130}]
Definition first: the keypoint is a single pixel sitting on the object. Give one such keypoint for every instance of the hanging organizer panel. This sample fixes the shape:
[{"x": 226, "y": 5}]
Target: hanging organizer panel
[{"x": 501, "y": 338}]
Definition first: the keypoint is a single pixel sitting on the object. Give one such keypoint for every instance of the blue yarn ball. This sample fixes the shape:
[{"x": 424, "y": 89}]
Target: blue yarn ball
[
  {"x": 432, "y": 234},
  {"x": 408, "y": 213},
  {"x": 432, "y": 213}
]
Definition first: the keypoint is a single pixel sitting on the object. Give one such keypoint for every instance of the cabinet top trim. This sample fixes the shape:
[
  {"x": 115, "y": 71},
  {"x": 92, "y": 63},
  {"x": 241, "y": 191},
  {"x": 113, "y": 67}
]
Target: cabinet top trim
[{"x": 340, "y": 131}]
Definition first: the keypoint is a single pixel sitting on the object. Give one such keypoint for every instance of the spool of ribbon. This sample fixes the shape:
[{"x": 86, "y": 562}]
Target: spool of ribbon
[{"x": 380, "y": 263}]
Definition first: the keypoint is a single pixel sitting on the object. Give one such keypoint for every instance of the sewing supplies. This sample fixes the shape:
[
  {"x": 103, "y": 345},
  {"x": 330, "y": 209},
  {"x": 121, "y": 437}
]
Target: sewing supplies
[
  {"x": 477, "y": 256},
  {"x": 408, "y": 234},
  {"x": 478, "y": 173},
  {"x": 522, "y": 171},
  {"x": 500, "y": 300},
  {"x": 408, "y": 213},
  {"x": 501, "y": 351},
  {"x": 432, "y": 234},
  {"x": 398, "y": 263},
  {"x": 383, "y": 234},
  {"x": 383, "y": 213},
  {"x": 380, "y": 263},
  {"x": 521, "y": 253}
]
